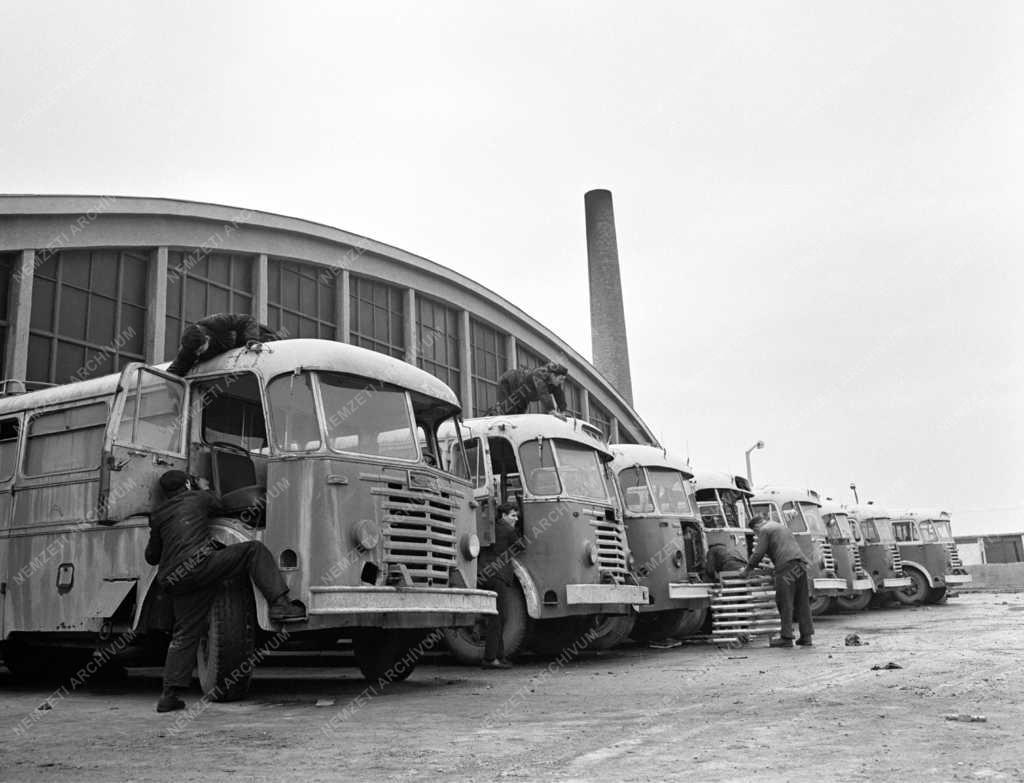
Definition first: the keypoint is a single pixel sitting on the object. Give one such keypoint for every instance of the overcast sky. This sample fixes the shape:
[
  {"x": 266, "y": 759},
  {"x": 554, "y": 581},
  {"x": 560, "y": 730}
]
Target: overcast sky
[{"x": 818, "y": 204}]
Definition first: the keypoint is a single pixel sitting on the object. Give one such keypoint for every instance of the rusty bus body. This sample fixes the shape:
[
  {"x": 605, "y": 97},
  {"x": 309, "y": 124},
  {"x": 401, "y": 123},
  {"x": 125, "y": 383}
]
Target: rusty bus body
[
  {"x": 930, "y": 557},
  {"x": 879, "y": 552},
  {"x": 800, "y": 511},
  {"x": 323, "y": 451},
  {"x": 666, "y": 541},
  {"x": 572, "y": 577},
  {"x": 845, "y": 540}
]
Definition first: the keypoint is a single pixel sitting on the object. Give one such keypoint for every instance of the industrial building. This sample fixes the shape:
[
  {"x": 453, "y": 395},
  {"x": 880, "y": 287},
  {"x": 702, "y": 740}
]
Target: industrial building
[{"x": 91, "y": 283}]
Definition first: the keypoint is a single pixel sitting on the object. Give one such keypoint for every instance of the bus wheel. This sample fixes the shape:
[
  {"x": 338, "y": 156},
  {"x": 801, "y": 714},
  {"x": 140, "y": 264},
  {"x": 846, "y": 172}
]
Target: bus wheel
[
  {"x": 936, "y": 595},
  {"x": 225, "y": 658},
  {"x": 655, "y": 626},
  {"x": 918, "y": 590},
  {"x": 467, "y": 644},
  {"x": 854, "y": 602},
  {"x": 386, "y": 655},
  {"x": 820, "y": 604},
  {"x": 612, "y": 630},
  {"x": 692, "y": 623},
  {"x": 26, "y": 663}
]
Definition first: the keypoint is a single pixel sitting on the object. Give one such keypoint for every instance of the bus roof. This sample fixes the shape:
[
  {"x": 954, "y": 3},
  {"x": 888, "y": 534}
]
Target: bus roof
[
  {"x": 626, "y": 455},
  {"x": 867, "y": 511},
  {"x": 715, "y": 479},
  {"x": 276, "y": 358},
  {"x": 834, "y": 508},
  {"x": 786, "y": 495},
  {"x": 528, "y": 426},
  {"x": 921, "y": 514}
]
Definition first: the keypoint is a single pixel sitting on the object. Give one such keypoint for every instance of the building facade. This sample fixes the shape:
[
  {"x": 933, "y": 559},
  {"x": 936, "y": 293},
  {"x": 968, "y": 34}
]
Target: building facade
[{"x": 91, "y": 283}]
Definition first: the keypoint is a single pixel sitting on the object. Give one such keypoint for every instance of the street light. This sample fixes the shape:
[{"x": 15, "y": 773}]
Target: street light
[
  {"x": 758, "y": 445},
  {"x": 854, "y": 488}
]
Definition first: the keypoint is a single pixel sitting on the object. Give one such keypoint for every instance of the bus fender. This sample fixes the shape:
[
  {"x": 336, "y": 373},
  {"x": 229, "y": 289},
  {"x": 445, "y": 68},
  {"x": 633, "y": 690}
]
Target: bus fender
[
  {"x": 922, "y": 569},
  {"x": 530, "y": 592}
]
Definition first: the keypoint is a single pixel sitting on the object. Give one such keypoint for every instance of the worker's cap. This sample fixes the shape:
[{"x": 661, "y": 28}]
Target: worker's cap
[
  {"x": 756, "y": 520},
  {"x": 172, "y": 481},
  {"x": 556, "y": 369}
]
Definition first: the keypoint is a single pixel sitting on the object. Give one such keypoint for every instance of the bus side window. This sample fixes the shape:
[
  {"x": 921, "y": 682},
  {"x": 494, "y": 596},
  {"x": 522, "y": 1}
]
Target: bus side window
[
  {"x": 152, "y": 413},
  {"x": 9, "y": 429},
  {"x": 65, "y": 440}
]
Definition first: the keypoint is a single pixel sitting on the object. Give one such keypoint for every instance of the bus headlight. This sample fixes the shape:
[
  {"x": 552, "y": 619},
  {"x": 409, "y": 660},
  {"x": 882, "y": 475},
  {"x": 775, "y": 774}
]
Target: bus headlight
[
  {"x": 470, "y": 546},
  {"x": 366, "y": 535},
  {"x": 590, "y": 552}
]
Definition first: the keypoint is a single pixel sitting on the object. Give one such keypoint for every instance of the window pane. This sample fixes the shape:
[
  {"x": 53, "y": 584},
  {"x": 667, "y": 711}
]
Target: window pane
[
  {"x": 102, "y": 315},
  {"x": 366, "y": 417},
  {"x": 104, "y": 273},
  {"x": 538, "y": 463},
  {"x": 635, "y": 491},
  {"x": 74, "y": 268},
  {"x": 38, "y": 358},
  {"x": 134, "y": 270},
  {"x": 69, "y": 439},
  {"x": 9, "y": 429},
  {"x": 70, "y": 363},
  {"x": 581, "y": 471},
  {"x": 293, "y": 413},
  {"x": 44, "y": 292}
]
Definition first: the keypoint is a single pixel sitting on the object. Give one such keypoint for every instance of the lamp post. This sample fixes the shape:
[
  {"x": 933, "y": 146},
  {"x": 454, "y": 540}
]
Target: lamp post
[
  {"x": 758, "y": 445},
  {"x": 854, "y": 488}
]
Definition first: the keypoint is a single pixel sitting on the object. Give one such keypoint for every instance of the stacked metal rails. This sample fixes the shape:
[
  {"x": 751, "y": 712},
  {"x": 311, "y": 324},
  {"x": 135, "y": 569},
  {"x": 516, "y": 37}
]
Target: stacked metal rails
[{"x": 743, "y": 609}]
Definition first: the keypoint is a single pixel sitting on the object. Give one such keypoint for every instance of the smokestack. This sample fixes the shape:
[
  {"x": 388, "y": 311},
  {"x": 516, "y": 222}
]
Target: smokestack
[{"x": 607, "y": 320}]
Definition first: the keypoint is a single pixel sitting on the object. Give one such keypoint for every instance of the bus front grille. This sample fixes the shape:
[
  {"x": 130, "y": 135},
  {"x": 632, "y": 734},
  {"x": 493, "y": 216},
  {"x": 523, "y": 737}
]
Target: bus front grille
[
  {"x": 828, "y": 560},
  {"x": 419, "y": 533},
  {"x": 954, "y": 555},
  {"x": 897, "y": 560},
  {"x": 611, "y": 549},
  {"x": 858, "y": 563}
]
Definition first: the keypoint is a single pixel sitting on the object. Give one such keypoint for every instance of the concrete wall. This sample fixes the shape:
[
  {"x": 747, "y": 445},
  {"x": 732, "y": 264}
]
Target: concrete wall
[
  {"x": 970, "y": 554},
  {"x": 996, "y": 576}
]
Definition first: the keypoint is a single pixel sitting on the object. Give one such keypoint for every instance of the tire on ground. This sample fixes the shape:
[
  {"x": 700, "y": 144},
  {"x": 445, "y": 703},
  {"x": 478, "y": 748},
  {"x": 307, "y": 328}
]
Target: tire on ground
[
  {"x": 916, "y": 594},
  {"x": 936, "y": 595},
  {"x": 612, "y": 630},
  {"x": 550, "y": 638},
  {"x": 655, "y": 626},
  {"x": 467, "y": 644},
  {"x": 854, "y": 602},
  {"x": 225, "y": 658},
  {"x": 820, "y": 604},
  {"x": 391, "y": 654}
]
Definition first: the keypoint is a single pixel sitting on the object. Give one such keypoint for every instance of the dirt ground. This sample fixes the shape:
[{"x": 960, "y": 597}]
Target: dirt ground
[{"x": 634, "y": 714}]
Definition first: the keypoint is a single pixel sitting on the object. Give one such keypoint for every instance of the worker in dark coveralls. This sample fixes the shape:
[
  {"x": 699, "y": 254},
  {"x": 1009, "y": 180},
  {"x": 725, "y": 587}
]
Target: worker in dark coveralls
[
  {"x": 494, "y": 572},
  {"x": 791, "y": 592},
  {"x": 192, "y": 568},
  {"x": 518, "y": 388},
  {"x": 215, "y": 334},
  {"x": 721, "y": 557}
]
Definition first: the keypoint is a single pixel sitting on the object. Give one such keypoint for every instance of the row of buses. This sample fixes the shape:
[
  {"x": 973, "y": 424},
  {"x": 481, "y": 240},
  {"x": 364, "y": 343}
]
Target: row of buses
[{"x": 358, "y": 473}]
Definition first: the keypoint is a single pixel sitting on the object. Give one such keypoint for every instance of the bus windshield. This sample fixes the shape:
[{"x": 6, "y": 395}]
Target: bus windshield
[
  {"x": 928, "y": 534},
  {"x": 635, "y": 493},
  {"x": 943, "y": 530},
  {"x": 670, "y": 491},
  {"x": 767, "y": 510},
  {"x": 812, "y": 516},
  {"x": 368, "y": 417},
  {"x": 735, "y": 505},
  {"x": 870, "y": 533},
  {"x": 711, "y": 513},
  {"x": 580, "y": 470}
]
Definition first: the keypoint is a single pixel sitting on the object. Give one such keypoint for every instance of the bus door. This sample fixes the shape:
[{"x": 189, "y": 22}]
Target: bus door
[
  {"x": 10, "y": 428},
  {"x": 146, "y": 437}
]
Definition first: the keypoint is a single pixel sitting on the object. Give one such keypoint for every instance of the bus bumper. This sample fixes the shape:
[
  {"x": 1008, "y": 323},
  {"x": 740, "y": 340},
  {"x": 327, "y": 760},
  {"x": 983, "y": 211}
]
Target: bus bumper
[
  {"x": 958, "y": 579},
  {"x": 857, "y": 585},
  {"x": 825, "y": 584},
  {"x": 605, "y": 594},
  {"x": 896, "y": 581},
  {"x": 688, "y": 590},
  {"x": 423, "y": 601}
]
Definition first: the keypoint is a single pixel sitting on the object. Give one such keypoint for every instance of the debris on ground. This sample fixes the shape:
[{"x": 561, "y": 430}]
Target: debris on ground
[
  {"x": 738, "y": 657},
  {"x": 963, "y": 717},
  {"x": 666, "y": 644},
  {"x": 890, "y": 665},
  {"x": 853, "y": 640},
  {"x": 45, "y": 706},
  {"x": 324, "y": 703}
]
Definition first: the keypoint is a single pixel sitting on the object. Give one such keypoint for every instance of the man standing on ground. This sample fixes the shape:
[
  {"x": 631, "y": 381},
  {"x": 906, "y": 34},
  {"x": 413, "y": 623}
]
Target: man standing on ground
[
  {"x": 791, "y": 592},
  {"x": 192, "y": 568},
  {"x": 494, "y": 572}
]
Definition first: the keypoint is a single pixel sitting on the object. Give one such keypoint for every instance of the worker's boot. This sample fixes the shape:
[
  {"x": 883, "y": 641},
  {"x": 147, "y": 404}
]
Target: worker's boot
[
  {"x": 805, "y": 641},
  {"x": 284, "y": 610},
  {"x": 780, "y": 641},
  {"x": 169, "y": 701}
]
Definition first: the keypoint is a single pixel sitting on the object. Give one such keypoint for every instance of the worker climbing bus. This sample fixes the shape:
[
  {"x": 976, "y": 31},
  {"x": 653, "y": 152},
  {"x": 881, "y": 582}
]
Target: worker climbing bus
[
  {"x": 800, "y": 511},
  {"x": 926, "y": 559},
  {"x": 879, "y": 552},
  {"x": 845, "y": 539},
  {"x": 666, "y": 541},
  {"x": 325, "y": 452},
  {"x": 572, "y": 581}
]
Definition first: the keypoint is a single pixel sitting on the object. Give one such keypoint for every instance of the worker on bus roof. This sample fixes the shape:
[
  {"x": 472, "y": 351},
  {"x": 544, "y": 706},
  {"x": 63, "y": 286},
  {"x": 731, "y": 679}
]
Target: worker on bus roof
[
  {"x": 519, "y": 387},
  {"x": 213, "y": 335}
]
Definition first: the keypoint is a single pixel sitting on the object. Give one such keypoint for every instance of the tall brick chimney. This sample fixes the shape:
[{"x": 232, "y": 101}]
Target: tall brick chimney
[{"x": 607, "y": 320}]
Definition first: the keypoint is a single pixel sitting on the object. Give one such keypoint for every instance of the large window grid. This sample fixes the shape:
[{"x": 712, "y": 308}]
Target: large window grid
[
  {"x": 377, "y": 319},
  {"x": 201, "y": 284},
  {"x": 600, "y": 418},
  {"x": 88, "y": 314},
  {"x": 300, "y": 300},
  {"x": 438, "y": 351},
  {"x": 490, "y": 360}
]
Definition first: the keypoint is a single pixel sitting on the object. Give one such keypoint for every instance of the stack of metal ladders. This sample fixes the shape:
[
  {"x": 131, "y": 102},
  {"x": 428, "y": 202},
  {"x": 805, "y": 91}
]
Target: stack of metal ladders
[{"x": 742, "y": 609}]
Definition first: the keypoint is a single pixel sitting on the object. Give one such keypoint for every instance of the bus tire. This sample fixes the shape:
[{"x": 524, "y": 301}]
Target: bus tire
[
  {"x": 820, "y": 604},
  {"x": 693, "y": 623},
  {"x": 916, "y": 594},
  {"x": 467, "y": 644},
  {"x": 26, "y": 663},
  {"x": 854, "y": 602},
  {"x": 936, "y": 595},
  {"x": 612, "y": 630},
  {"x": 386, "y": 655},
  {"x": 225, "y": 658},
  {"x": 551, "y": 638},
  {"x": 655, "y": 626}
]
